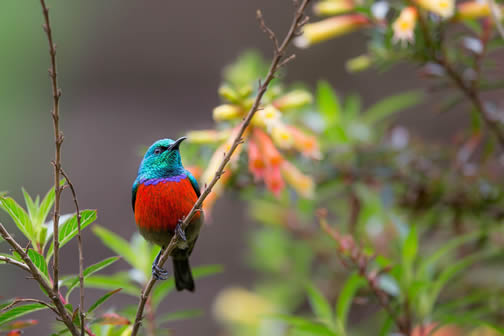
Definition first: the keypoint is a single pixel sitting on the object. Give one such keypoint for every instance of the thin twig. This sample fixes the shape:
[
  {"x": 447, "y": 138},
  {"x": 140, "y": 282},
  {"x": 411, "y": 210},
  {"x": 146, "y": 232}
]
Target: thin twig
[
  {"x": 279, "y": 54},
  {"x": 79, "y": 247},
  {"x": 21, "y": 300},
  {"x": 11, "y": 261},
  {"x": 51, "y": 293},
  {"x": 58, "y": 140}
]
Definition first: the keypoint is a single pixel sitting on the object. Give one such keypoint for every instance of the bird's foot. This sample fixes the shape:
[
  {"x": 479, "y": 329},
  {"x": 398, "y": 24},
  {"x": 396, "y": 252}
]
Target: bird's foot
[
  {"x": 159, "y": 273},
  {"x": 179, "y": 231}
]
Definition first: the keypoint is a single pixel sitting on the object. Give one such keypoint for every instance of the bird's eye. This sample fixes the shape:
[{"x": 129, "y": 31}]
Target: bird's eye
[{"x": 158, "y": 150}]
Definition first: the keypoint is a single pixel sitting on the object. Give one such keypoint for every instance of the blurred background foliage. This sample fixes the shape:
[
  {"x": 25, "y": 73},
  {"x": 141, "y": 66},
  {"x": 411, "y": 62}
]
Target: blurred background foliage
[{"x": 361, "y": 226}]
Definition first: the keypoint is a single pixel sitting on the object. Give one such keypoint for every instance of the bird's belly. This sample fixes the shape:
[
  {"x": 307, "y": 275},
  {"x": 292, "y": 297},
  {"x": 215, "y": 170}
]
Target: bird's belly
[{"x": 159, "y": 207}]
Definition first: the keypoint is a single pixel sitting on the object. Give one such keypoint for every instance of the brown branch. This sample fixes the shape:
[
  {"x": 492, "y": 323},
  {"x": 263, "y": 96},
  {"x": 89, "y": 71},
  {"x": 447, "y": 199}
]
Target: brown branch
[
  {"x": 11, "y": 261},
  {"x": 58, "y": 139},
  {"x": 278, "y": 56},
  {"x": 21, "y": 300},
  {"x": 470, "y": 91},
  {"x": 79, "y": 247},
  {"x": 51, "y": 293}
]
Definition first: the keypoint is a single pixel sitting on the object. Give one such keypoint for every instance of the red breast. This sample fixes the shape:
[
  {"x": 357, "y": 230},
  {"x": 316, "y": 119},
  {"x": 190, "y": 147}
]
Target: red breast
[{"x": 158, "y": 207}]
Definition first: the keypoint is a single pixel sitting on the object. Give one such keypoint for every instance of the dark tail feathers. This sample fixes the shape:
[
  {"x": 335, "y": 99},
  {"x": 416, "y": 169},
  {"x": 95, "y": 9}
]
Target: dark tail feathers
[{"x": 183, "y": 275}]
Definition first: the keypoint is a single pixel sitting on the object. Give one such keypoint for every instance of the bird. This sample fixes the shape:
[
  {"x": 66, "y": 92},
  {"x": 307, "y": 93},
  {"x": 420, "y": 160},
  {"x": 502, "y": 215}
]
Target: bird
[{"x": 163, "y": 193}]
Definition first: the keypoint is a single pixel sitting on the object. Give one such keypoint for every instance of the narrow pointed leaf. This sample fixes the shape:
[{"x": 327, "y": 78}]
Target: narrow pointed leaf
[
  {"x": 346, "y": 297},
  {"x": 30, "y": 204},
  {"x": 302, "y": 324},
  {"x": 70, "y": 229},
  {"x": 180, "y": 315},
  {"x": 73, "y": 282},
  {"x": 18, "y": 215},
  {"x": 101, "y": 300},
  {"x": 119, "y": 245},
  {"x": 319, "y": 304},
  {"x": 393, "y": 104},
  {"x": 19, "y": 311},
  {"x": 113, "y": 282},
  {"x": 328, "y": 104}
]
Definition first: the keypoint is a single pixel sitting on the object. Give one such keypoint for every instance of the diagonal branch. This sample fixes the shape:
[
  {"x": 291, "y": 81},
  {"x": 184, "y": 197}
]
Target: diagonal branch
[
  {"x": 278, "y": 56},
  {"x": 51, "y": 293},
  {"x": 21, "y": 300},
  {"x": 11, "y": 261}
]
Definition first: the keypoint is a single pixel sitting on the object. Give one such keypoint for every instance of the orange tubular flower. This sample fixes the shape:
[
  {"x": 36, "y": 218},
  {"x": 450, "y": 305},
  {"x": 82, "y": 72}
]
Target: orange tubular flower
[
  {"x": 330, "y": 28},
  {"x": 273, "y": 179},
  {"x": 404, "y": 25},
  {"x": 272, "y": 156},
  {"x": 306, "y": 144},
  {"x": 256, "y": 163},
  {"x": 303, "y": 184}
]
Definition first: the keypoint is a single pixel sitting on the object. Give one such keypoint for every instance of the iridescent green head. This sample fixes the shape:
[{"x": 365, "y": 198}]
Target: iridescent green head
[{"x": 162, "y": 159}]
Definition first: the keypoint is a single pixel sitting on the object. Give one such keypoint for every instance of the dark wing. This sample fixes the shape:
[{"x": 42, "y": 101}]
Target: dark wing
[{"x": 194, "y": 183}]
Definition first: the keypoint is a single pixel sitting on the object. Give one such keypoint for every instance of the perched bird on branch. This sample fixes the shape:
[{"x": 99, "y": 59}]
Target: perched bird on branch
[{"x": 163, "y": 194}]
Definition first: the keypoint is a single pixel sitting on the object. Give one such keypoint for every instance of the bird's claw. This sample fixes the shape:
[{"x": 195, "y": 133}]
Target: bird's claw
[
  {"x": 179, "y": 231},
  {"x": 159, "y": 273}
]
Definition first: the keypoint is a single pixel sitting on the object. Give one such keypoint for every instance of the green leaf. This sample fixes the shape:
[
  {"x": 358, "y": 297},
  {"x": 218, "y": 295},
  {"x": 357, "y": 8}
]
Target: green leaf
[
  {"x": 164, "y": 288},
  {"x": 393, "y": 104},
  {"x": 73, "y": 282},
  {"x": 102, "y": 299},
  {"x": 410, "y": 246},
  {"x": 119, "y": 245},
  {"x": 112, "y": 282},
  {"x": 180, "y": 315},
  {"x": 303, "y": 324},
  {"x": 431, "y": 261},
  {"x": 319, "y": 304},
  {"x": 30, "y": 204},
  {"x": 69, "y": 229},
  {"x": 39, "y": 262},
  {"x": 328, "y": 104},
  {"x": 46, "y": 205},
  {"x": 19, "y": 311},
  {"x": 345, "y": 299},
  {"x": 19, "y": 216}
]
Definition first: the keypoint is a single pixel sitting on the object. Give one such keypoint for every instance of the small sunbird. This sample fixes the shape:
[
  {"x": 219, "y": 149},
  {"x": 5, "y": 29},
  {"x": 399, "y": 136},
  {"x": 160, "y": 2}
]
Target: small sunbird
[{"x": 163, "y": 194}]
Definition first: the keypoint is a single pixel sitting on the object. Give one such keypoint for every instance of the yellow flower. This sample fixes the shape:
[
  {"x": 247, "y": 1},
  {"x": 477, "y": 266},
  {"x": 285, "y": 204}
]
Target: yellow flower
[
  {"x": 404, "y": 25},
  {"x": 238, "y": 305},
  {"x": 443, "y": 8},
  {"x": 281, "y": 135},
  {"x": 303, "y": 184},
  {"x": 333, "y": 7},
  {"x": 227, "y": 112},
  {"x": 207, "y": 136},
  {"x": 330, "y": 28},
  {"x": 293, "y": 99},
  {"x": 266, "y": 117}
]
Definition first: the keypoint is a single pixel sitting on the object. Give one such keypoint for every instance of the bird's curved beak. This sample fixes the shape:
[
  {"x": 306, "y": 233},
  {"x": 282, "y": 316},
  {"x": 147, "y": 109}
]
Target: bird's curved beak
[{"x": 177, "y": 143}]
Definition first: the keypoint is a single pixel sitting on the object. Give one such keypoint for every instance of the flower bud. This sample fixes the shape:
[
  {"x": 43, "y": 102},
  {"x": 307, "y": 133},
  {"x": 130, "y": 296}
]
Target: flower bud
[
  {"x": 292, "y": 100},
  {"x": 333, "y": 7},
  {"x": 474, "y": 10},
  {"x": 226, "y": 92},
  {"x": 227, "y": 112},
  {"x": 330, "y": 28},
  {"x": 306, "y": 144},
  {"x": 207, "y": 136},
  {"x": 359, "y": 63},
  {"x": 281, "y": 135}
]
